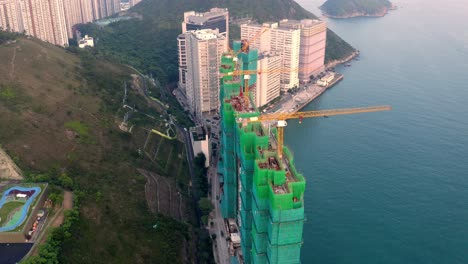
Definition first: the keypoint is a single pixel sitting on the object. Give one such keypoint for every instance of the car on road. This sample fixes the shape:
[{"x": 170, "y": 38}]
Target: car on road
[{"x": 222, "y": 233}]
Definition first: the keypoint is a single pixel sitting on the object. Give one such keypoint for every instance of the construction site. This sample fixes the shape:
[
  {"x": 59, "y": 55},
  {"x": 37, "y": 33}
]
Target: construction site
[{"x": 261, "y": 192}]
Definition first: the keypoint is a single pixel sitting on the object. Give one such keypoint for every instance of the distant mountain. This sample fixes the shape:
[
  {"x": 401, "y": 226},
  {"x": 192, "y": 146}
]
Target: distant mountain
[
  {"x": 355, "y": 8},
  {"x": 149, "y": 42}
]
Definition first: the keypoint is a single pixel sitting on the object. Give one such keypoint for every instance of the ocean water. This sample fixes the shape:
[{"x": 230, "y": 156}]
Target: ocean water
[{"x": 391, "y": 187}]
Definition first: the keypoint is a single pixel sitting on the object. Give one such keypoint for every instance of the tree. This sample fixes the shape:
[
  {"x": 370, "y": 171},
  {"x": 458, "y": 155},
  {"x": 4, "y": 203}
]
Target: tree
[{"x": 205, "y": 205}]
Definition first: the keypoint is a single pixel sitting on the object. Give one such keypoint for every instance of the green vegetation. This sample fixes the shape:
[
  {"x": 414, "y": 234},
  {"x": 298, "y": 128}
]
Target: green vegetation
[
  {"x": 81, "y": 129},
  {"x": 149, "y": 41},
  {"x": 76, "y": 89},
  {"x": 50, "y": 251},
  {"x": 201, "y": 180},
  {"x": 6, "y": 36},
  {"x": 351, "y": 8},
  {"x": 6, "y": 209}
]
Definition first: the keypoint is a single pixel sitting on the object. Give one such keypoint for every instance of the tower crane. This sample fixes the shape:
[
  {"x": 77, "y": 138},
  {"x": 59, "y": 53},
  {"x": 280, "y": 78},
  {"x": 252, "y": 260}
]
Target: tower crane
[{"x": 280, "y": 119}]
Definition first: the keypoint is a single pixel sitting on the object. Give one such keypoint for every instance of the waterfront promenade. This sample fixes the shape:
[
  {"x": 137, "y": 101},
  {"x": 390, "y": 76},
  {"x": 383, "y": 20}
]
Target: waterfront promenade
[{"x": 294, "y": 102}]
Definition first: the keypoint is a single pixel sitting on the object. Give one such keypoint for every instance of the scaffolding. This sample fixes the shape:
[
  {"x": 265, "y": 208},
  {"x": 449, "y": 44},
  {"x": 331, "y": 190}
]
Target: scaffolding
[{"x": 263, "y": 192}]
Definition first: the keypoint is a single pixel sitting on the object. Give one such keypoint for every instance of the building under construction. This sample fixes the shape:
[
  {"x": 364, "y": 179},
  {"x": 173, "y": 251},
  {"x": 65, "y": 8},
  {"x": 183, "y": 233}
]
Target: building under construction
[{"x": 261, "y": 187}]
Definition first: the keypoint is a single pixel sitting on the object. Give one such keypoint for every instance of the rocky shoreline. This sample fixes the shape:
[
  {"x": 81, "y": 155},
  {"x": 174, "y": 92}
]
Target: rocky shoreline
[
  {"x": 360, "y": 14},
  {"x": 334, "y": 63}
]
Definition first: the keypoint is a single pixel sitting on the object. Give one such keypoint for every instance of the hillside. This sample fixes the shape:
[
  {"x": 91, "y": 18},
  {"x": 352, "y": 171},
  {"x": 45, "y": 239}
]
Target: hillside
[
  {"x": 149, "y": 41},
  {"x": 59, "y": 117},
  {"x": 354, "y": 8}
]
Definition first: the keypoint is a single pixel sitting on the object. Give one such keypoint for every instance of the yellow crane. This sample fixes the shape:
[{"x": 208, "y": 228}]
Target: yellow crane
[{"x": 280, "y": 118}]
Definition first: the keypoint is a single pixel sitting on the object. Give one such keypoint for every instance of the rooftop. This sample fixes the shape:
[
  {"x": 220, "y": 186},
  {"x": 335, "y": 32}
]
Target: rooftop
[
  {"x": 300, "y": 23},
  {"x": 201, "y": 18},
  {"x": 206, "y": 34},
  {"x": 198, "y": 133}
]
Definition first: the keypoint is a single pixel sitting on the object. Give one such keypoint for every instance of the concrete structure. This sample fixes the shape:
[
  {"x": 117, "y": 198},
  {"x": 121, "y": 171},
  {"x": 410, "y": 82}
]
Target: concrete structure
[
  {"x": 86, "y": 42},
  {"x": 182, "y": 62},
  {"x": 45, "y": 19},
  {"x": 203, "y": 50},
  {"x": 216, "y": 18},
  {"x": 279, "y": 40},
  {"x": 326, "y": 80},
  {"x": 72, "y": 14},
  {"x": 132, "y": 3},
  {"x": 268, "y": 85},
  {"x": 10, "y": 16},
  {"x": 200, "y": 143},
  {"x": 53, "y": 20},
  {"x": 312, "y": 47},
  {"x": 262, "y": 41}
]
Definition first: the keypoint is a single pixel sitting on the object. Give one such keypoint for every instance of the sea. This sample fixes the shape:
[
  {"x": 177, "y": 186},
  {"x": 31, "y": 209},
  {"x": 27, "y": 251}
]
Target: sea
[{"x": 391, "y": 187}]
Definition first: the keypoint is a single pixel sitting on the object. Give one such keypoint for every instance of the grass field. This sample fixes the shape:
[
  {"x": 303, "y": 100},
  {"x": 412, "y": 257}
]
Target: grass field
[{"x": 6, "y": 209}]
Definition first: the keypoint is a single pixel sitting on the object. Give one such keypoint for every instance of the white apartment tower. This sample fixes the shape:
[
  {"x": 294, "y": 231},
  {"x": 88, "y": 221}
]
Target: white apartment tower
[
  {"x": 203, "y": 52},
  {"x": 268, "y": 86},
  {"x": 216, "y": 18},
  {"x": 313, "y": 44},
  {"x": 277, "y": 40}
]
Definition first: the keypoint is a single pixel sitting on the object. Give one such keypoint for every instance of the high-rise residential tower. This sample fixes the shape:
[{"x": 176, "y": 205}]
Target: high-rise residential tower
[
  {"x": 268, "y": 86},
  {"x": 313, "y": 43},
  {"x": 10, "y": 16},
  {"x": 203, "y": 50},
  {"x": 53, "y": 20},
  {"x": 216, "y": 18},
  {"x": 269, "y": 37},
  {"x": 45, "y": 19}
]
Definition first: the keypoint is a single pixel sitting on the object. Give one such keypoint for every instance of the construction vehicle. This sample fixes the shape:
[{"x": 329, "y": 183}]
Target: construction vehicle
[{"x": 280, "y": 119}]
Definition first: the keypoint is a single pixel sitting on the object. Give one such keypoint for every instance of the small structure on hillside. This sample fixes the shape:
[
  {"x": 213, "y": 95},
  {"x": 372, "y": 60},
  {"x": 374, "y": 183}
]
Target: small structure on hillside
[
  {"x": 86, "y": 42},
  {"x": 200, "y": 142}
]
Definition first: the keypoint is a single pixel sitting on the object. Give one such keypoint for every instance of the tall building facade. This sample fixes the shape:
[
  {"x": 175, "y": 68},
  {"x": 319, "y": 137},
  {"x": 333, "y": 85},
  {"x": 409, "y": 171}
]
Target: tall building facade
[
  {"x": 312, "y": 48},
  {"x": 268, "y": 86},
  {"x": 53, "y": 20},
  {"x": 204, "y": 49},
  {"x": 72, "y": 14},
  {"x": 216, "y": 18},
  {"x": 45, "y": 19},
  {"x": 10, "y": 16},
  {"x": 269, "y": 37}
]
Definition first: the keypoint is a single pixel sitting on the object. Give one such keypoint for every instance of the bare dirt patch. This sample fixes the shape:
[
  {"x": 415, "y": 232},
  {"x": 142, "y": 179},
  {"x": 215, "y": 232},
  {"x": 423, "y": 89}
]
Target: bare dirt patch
[
  {"x": 8, "y": 169},
  {"x": 163, "y": 196}
]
